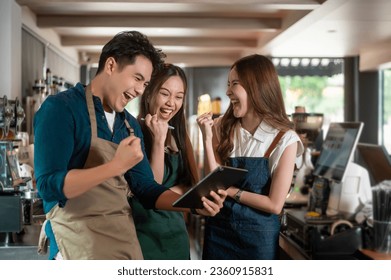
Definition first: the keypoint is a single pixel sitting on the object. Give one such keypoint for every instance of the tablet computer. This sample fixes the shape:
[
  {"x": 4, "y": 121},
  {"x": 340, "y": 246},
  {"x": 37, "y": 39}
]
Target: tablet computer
[{"x": 221, "y": 178}]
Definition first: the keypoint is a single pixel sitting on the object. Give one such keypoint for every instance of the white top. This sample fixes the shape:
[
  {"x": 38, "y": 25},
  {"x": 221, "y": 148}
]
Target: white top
[
  {"x": 247, "y": 145},
  {"x": 110, "y": 117}
]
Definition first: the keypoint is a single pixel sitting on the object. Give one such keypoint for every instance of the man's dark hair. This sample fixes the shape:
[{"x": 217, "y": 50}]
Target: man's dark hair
[{"x": 126, "y": 46}]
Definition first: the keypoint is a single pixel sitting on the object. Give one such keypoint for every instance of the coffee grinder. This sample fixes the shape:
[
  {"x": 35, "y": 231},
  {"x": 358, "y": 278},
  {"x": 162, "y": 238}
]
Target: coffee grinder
[{"x": 308, "y": 126}]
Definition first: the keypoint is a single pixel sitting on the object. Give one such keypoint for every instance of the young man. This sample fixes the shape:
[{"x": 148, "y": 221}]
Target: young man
[{"x": 89, "y": 150}]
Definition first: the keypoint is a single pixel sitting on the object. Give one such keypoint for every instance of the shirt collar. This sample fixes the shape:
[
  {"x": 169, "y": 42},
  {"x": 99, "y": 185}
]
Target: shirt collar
[
  {"x": 259, "y": 133},
  {"x": 99, "y": 107}
]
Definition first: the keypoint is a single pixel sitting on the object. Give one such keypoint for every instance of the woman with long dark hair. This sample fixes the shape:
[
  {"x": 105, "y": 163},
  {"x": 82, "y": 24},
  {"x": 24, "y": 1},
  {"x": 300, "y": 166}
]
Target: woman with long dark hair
[{"x": 163, "y": 234}]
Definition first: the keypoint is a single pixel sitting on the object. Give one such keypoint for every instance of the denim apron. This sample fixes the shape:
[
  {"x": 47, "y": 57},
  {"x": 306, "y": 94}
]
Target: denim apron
[
  {"x": 240, "y": 232},
  {"x": 98, "y": 224}
]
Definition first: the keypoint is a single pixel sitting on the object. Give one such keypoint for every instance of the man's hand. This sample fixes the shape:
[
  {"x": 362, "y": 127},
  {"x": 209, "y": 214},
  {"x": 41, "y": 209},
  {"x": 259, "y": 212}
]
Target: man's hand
[{"x": 128, "y": 153}]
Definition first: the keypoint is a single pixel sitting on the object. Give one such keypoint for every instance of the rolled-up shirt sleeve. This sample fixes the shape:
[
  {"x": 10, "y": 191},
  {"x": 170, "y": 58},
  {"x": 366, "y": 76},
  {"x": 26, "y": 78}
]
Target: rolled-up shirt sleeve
[{"x": 53, "y": 147}]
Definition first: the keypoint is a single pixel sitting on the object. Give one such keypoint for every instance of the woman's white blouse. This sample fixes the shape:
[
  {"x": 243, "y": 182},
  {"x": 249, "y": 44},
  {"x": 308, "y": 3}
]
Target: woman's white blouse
[{"x": 247, "y": 145}]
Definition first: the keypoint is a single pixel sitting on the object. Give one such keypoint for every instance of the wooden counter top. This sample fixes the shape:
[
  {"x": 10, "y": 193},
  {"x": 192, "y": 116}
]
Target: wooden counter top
[{"x": 375, "y": 255}]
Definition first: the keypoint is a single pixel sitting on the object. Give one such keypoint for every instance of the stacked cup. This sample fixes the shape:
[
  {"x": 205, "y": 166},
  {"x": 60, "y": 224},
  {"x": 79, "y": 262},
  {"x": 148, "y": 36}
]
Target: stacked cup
[{"x": 382, "y": 217}]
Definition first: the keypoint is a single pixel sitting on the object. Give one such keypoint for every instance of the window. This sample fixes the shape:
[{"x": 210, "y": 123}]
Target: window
[
  {"x": 315, "y": 83},
  {"x": 317, "y": 94},
  {"x": 386, "y": 116}
]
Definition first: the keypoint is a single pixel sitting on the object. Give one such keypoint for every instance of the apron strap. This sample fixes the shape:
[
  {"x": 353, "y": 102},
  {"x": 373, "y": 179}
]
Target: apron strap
[
  {"x": 91, "y": 111},
  {"x": 274, "y": 144},
  {"x": 130, "y": 129}
]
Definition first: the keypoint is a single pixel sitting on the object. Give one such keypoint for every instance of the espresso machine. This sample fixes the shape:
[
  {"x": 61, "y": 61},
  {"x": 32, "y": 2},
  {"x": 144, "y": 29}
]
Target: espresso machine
[
  {"x": 309, "y": 128},
  {"x": 11, "y": 118},
  {"x": 17, "y": 195}
]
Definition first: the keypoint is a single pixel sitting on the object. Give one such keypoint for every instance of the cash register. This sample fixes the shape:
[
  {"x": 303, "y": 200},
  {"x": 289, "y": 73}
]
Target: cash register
[{"x": 326, "y": 228}]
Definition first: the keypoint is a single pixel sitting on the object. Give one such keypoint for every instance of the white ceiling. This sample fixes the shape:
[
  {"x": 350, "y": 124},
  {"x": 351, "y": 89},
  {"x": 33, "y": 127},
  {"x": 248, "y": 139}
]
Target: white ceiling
[{"x": 217, "y": 32}]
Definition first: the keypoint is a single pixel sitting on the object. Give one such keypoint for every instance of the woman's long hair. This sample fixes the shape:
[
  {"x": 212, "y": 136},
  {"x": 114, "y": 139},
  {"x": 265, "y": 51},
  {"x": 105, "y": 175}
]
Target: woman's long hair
[
  {"x": 259, "y": 78},
  {"x": 178, "y": 121}
]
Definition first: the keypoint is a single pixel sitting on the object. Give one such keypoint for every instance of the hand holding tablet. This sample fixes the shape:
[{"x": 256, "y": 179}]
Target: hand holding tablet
[{"x": 221, "y": 178}]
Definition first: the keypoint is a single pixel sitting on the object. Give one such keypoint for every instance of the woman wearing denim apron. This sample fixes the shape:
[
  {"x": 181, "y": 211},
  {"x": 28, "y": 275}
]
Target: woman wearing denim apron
[{"x": 256, "y": 134}]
